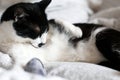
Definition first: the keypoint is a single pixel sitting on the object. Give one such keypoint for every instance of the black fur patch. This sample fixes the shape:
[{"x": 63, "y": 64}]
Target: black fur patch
[
  {"x": 108, "y": 43},
  {"x": 110, "y": 65},
  {"x": 29, "y": 18},
  {"x": 87, "y": 30}
]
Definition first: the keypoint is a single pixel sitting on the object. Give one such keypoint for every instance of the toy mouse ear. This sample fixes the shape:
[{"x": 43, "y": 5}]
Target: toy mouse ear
[
  {"x": 43, "y": 4},
  {"x": 35, "y": 66}
]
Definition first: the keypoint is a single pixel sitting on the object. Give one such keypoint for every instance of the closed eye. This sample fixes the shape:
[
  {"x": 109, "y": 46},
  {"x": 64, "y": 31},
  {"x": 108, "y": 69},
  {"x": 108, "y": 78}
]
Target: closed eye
[{"x": 22, "y": 34}]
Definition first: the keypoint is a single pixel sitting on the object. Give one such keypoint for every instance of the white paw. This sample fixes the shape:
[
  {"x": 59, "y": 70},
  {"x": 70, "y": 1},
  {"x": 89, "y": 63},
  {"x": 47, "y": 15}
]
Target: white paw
[
  {"x": 77, "y": 32},
  {"x": 5, "y": 61}
]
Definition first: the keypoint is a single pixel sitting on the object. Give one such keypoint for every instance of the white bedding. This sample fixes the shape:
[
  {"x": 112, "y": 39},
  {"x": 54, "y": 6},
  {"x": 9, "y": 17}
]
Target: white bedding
[{"x": 82, "y": 71}]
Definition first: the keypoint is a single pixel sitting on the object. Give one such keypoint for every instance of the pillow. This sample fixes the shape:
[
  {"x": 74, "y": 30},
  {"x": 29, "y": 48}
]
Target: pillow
[{"x": 82, "y": 71}]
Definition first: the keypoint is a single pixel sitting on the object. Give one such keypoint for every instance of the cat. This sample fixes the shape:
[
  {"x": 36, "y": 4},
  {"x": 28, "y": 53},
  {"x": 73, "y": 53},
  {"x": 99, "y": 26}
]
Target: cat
[{"x": 26, "y": 33}]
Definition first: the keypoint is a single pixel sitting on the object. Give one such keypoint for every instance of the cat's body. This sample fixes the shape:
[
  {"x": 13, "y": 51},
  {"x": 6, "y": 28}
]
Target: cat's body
[
  {"x": 59, "y": 47},
  {"x": 26, "y": 33}
]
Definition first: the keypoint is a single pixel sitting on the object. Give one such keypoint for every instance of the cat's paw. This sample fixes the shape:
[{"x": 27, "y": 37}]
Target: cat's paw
[
  {"x": 70, "y": 28},
  {"x": 6, "y": 61}
]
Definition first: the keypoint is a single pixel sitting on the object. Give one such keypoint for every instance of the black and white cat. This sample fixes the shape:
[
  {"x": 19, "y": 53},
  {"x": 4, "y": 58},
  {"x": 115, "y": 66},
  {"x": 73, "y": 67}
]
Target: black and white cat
[{"x": 26, "y": 33}]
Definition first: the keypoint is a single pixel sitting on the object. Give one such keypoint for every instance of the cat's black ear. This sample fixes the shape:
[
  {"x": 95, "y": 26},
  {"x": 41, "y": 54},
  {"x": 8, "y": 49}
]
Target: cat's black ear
[
  {"x": 8, "y": 14},
  {"x": 12, "y": 13},
  {"x": 43, "y": 4}
]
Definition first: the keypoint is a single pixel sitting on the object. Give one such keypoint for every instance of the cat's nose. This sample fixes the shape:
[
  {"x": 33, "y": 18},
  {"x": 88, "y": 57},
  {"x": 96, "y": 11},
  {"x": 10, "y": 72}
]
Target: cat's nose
[{"x": 41, "y": 44}]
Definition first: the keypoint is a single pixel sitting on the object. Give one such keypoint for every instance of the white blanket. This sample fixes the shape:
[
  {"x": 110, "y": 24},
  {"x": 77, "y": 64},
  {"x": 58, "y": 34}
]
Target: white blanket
[{"x": 82, "y": 71}]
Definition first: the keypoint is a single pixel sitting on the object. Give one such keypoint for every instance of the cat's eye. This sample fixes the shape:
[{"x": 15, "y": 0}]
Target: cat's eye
[{"x": 22, "y": 34}]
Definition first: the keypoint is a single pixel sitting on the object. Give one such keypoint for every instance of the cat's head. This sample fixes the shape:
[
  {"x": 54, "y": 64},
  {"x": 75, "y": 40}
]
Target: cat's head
[{"x": 29, "y": 20}]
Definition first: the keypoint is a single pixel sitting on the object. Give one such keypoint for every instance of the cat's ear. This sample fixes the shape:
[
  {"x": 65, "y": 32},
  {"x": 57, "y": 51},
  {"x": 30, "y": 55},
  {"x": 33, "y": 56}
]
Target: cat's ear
[
  {"x": 43, "y": 4},
  {"x": 12, "y": 13},
  {"x": 8, "y": 14}
]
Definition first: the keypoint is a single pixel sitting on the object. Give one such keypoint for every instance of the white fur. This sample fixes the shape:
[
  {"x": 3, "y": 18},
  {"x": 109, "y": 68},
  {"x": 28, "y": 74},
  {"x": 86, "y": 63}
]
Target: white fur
[
  {"x": 57, "y": 47},
  {"x": 36, "y": 42},
  {"x": 39, "y": 40},
  {"x": 44, "y": 37},
  {"x": 88, "y": 50},
  {"x": 5, "y": 61}
]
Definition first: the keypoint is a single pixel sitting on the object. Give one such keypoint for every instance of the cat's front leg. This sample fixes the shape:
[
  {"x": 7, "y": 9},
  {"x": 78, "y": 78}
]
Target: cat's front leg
[{"x": 70, "y": 28}]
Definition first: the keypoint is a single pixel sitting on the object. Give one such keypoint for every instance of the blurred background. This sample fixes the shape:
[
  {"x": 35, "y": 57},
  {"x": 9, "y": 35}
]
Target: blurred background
[{"x": 71, "y": 10}]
